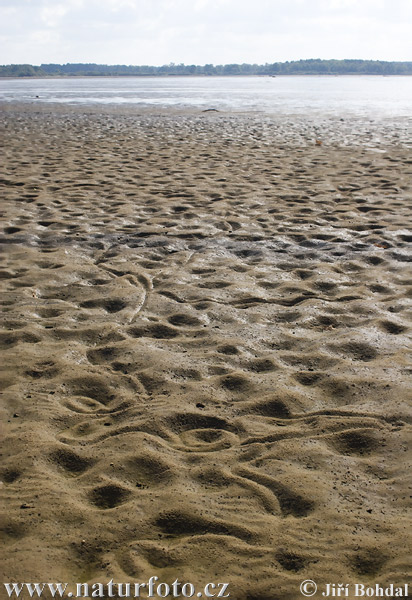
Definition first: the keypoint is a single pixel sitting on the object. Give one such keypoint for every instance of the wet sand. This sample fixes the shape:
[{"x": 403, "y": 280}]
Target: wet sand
[{"x": 206, "y": 341}]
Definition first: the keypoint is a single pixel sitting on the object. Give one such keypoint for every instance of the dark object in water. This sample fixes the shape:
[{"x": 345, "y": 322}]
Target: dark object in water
[{"x": 210, "y": 110}]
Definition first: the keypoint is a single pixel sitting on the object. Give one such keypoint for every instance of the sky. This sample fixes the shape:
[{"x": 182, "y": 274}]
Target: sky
[{"x": 157, "y": 32}]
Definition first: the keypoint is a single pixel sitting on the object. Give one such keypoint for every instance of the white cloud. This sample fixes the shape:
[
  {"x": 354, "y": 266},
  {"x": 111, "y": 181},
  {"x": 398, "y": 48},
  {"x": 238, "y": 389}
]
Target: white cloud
[
  {"x": 44, "y": 36},
  {"x": 51, "y": 15},
  {"x": 202, "y": 31}
]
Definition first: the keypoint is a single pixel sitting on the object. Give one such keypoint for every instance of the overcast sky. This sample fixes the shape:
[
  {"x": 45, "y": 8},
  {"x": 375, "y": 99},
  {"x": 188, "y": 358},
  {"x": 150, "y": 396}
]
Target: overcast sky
[{"x": 157, "y": 32}]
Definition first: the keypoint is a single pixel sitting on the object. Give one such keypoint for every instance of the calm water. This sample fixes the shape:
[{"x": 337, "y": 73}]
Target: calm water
[{"x": 362, "y": 95}]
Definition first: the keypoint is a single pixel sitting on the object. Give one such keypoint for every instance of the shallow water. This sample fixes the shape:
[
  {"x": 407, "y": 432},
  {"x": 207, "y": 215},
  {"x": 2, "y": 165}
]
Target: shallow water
[{"x": 360, "y": 95}]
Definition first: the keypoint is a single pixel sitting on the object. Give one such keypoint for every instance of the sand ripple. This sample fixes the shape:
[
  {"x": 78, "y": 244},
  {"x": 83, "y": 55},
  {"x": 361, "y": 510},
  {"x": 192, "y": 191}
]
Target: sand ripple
[{"x": 206, "y": 340}]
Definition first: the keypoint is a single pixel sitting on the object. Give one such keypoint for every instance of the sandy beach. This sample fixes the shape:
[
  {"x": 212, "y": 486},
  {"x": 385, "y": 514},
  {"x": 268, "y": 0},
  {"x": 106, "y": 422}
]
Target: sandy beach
[{"x": 206, "y": 341}]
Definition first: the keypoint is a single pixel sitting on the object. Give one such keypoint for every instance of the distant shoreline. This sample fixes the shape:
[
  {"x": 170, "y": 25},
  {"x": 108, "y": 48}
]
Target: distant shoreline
[{"x": 313, "y": 66}]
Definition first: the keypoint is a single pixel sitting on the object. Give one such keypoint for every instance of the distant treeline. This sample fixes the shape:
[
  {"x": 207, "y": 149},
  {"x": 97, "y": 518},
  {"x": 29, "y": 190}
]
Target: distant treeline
[{"x": 295, "y": 67}]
